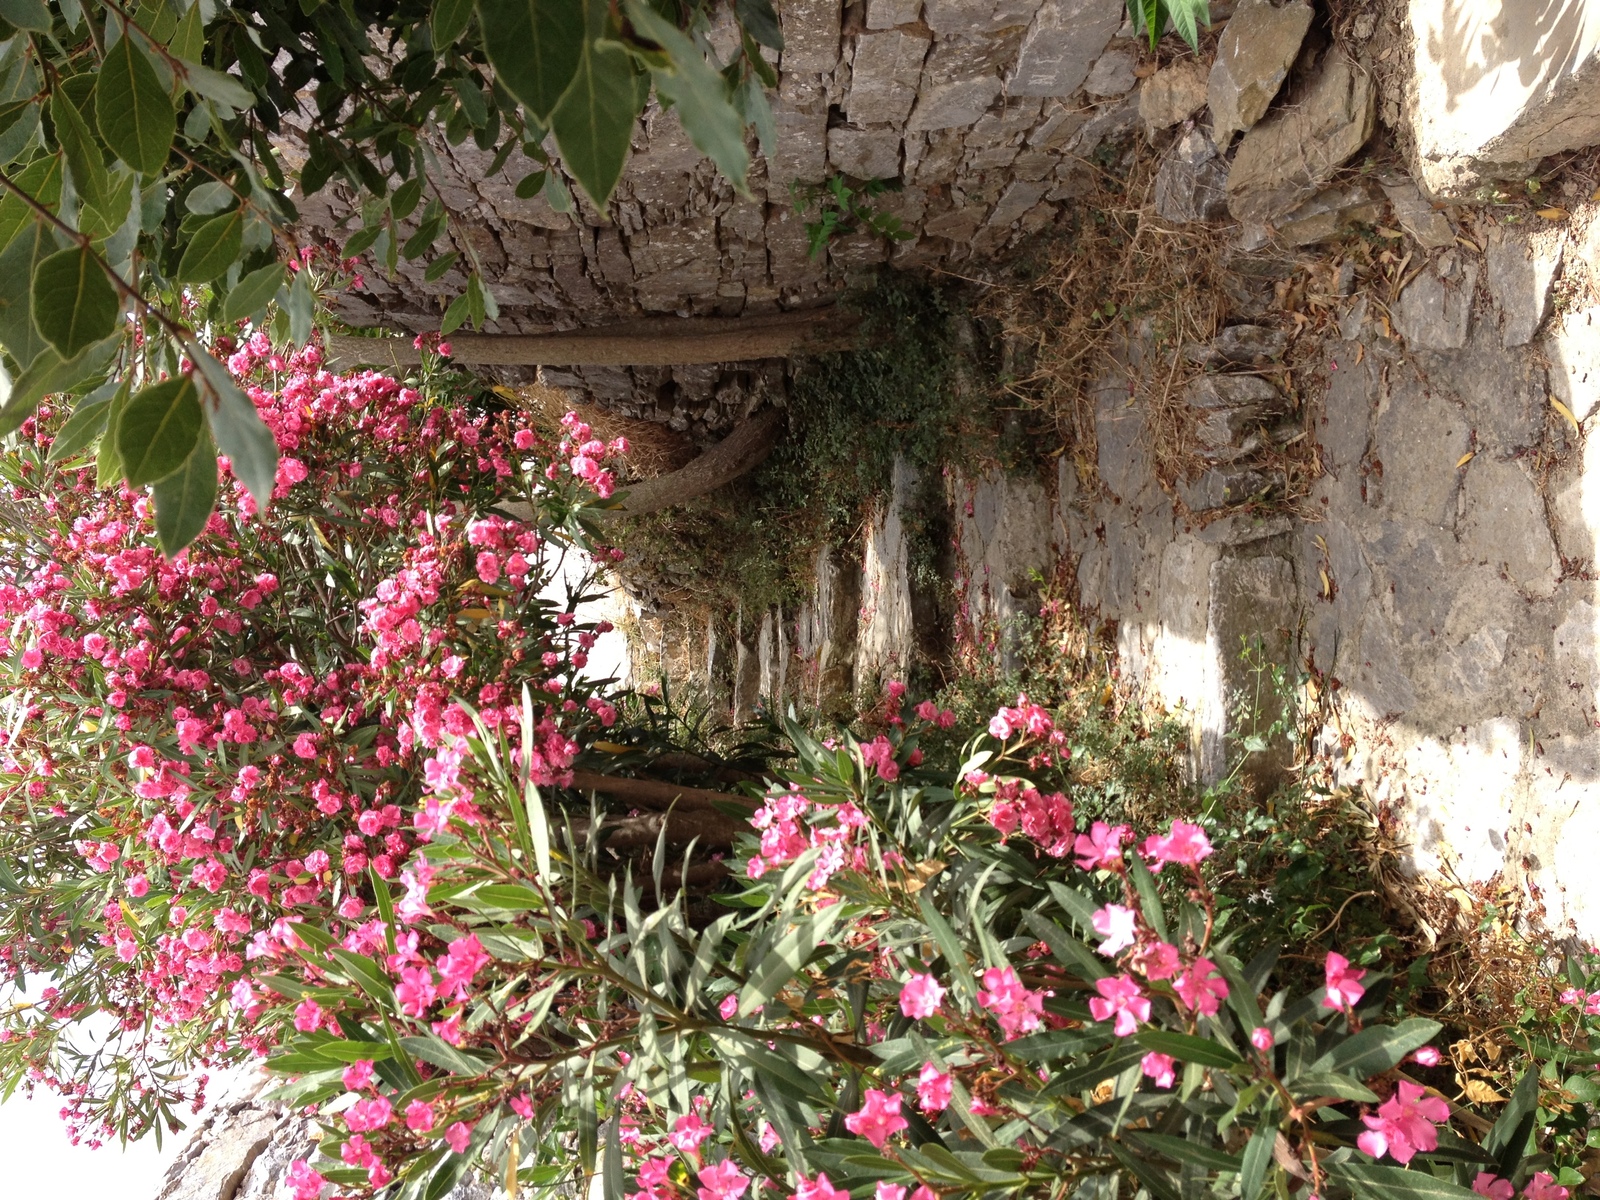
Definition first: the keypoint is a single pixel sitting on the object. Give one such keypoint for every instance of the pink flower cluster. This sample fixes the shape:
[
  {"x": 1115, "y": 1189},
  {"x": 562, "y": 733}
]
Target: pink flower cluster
[
  {"x": 1405, "y": 1124},
  {"x": 790, "y": 825}
]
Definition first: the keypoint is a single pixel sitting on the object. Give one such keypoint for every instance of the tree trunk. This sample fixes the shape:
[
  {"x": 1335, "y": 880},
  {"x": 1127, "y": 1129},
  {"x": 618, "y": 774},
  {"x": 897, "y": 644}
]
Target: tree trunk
[{"x": 666, "y": 342}]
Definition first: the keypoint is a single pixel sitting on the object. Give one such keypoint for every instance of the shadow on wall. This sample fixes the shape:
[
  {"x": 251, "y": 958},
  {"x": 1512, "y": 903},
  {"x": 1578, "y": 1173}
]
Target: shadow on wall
[{"x": 1474, "y": 41}]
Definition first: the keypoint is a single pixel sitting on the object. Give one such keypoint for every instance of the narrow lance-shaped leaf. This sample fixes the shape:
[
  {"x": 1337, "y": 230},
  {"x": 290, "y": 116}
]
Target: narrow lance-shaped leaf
[
  {"x": 83, "y": 154},
  {"x": 449, "y": 21},
  {"x": 132, "y": 109},
  {"x": 240, "y": 432},
  {"x": 213, "y": 248},
  {"x": 252, "y": 293},
  {"x": 74, "y": 304}
]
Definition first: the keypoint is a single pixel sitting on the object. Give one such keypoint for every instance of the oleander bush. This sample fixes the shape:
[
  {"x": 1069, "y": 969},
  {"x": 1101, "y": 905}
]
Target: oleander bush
[{"x": 305, "y": 793}]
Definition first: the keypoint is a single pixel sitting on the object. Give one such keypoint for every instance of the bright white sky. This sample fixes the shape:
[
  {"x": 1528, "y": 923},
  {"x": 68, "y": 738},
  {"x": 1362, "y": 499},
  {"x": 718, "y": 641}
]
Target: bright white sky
[{"x": 36, "y": 1156}]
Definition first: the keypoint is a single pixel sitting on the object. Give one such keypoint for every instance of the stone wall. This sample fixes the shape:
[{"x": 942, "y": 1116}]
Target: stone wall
[{"x": 982, "y": 110}]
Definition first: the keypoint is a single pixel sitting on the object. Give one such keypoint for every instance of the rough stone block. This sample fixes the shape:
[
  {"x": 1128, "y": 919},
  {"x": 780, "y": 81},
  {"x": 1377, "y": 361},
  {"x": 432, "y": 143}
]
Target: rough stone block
[
  {"x": 887, "y": 637},
  {"x": 1254, "y": 55},
  {"x": 959, "y": 225},
  {"x": 810, "y": 35},
  {"x": 1418, "y": 438},
  {"x": 1328, "y": 214},
  {"x": 1520, "y": 278},
  {"x": 1112, "y": 73},
  {"x": 800, "y": 113},
  {"x": 1015, "y": 201},
  {"x": 1498, "y": 89},
  {"x": 1504, "y": 525},
  {"x": 1253, "y": 611},
  {"x": 884, "y": 76},
  {"x": 864, "y": 153},
  {"x": 1172, "y": 94},
  {"x": 886, "y": 14},
  {"x": 1221, "y": 487},
  {"x": 1192, "y": 181},
  {"x": 1419, "y": 218},
  {"x": 1063, "y": 42},
  {"x": 1435, "y": 312},
  {"x": 1288, "y": 157},
  {"x": 954, "y": 104},
  {"x": 967, "y": 16},
  {"x": 1234, "y": 391},
  {"x": 1241, "y": 346},
  {"x": 1573, "y": 347}
]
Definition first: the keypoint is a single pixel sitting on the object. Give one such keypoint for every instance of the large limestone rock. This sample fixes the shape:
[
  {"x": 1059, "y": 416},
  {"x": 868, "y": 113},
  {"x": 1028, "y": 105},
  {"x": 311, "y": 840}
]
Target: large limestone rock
[
  {"x": 1521, "y": 275},
  {"x": 1191, "y": 183},
  {"x": 1498, "y": 85},
  {"x": 1435, "y": 310},
  {"x": 1063, "y": 42},
  {"x": 1253, "y": 59},
  {"x": 1286, "y": 159}
]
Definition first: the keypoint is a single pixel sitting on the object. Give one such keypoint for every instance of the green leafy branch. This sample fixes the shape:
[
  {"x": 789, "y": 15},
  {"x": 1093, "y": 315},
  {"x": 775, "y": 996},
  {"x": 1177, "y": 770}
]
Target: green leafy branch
[{"x": 843, "y": 207}]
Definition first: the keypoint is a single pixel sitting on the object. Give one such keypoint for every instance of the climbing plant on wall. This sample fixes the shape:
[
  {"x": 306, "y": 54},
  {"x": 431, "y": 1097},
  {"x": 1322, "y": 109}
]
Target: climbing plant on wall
[{"x": 145, "y": 180}]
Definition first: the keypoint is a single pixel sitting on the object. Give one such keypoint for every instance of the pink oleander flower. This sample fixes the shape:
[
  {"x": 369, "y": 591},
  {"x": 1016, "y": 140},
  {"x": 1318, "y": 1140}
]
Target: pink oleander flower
[
  {"x": 688, "y": 1132},
  {"x": 1159, "y": 1067},
  {"x": 458, "y": 1136},
  {"x": 1493, "y": 1187},
  {"x": 1344, "y": 982},
  {"x": 1157, "y": 961},
  {"x": 934, "y": 1089},
  {"x": 1119, "y": 926},
  {"x": 358, "y": 1075},
  {"x": 1200, "y": 987},
  {"x": 877, "y": 1118},
  {"x": 1101, "y": 848},
  {"x": 1405, "y": 1124},
  {"x": 1184, "y": 844},
  {"x": 307, "y": 1016},
  {"x": 1017, "y": 1009},
  {"x": 1543, "y": 1187},
  {"x": 721, "y": 1181},
  {"x": 920, "y": 997},
  {"x": 1261, "y": 1038},
  {"x": 1120, "y": 998},
  {"x": 1428, "y": 1056},
  {"x": 419, "y": 1116},
  {"x": 820, "y": 1188},
  {"x": 305, "y": 1183},
  {"x": 889, "y": 1191},
  {"x": 728, "y": 1007}
]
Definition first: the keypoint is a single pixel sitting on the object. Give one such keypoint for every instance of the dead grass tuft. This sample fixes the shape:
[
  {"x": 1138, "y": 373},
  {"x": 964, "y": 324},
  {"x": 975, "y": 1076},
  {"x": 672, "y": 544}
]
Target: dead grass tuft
[{"x": 653, "y": 449}]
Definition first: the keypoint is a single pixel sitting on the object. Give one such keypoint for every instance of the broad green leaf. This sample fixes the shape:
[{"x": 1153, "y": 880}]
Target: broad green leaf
[
  {"x": 530, "y": 185},
  {"x": 440, "y": 267},
  {"x": 1377, "y": 1048},
  {"x": 87, "y": 422},
  {"x": 406, "y": 198},
  {"x": 1154, "y": 1179},
  {"x": 1257, "y": 1159},
  {"x": 49, "y": 373},
  {"x": 700, "y": 94},
  {"x": 209, "y": 198},
  {"x": 240, "y": 432},
  {"x": 513, "y": 897},
  {"x": 132, "y": 109},
  {"x": 252, "y": 293},
  {"x": 185, "y": 498},
  {"x": 760, "y": 22},
  {"x": 594, "y": 122},
  {"x": 84, "y": 159},
  {"x": 449, "y": 20},
  {"x": 189, "y": 39},
  {"x": 213, "y": 248},
  {"x": 74, "y": 304},
  {"x": 1188, "y": 1049},
  {"x": 363, "y": 972},
  {"x": 1395, "y": 1183},
  {"x": 214, "y": 85},
  {"x": 158, "y": 430},
  {"x": 534, "y": 46},
  {"x": 107, "y": 462},
  {"x": 302, "y": 308},
  {"x": 456, "y": 315},
  {"x": 41, "y": 179},
  {"x": 19, "y": 123},
  {"x": 33, "y": 15},
  {"x": 18, "y": 333}
]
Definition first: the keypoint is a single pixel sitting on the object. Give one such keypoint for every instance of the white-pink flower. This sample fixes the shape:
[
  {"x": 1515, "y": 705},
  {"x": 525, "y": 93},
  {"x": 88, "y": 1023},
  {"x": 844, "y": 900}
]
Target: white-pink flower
[
  {"x": 920, "y": 996},
  {"x": 1118, "y": 925}
]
